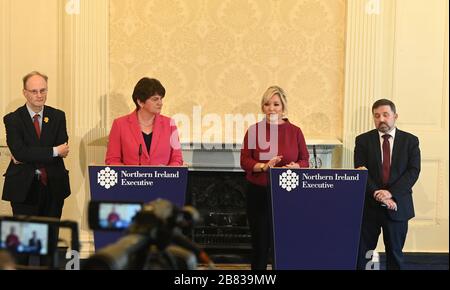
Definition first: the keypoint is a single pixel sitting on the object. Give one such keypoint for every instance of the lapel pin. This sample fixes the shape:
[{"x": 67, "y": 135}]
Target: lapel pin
[{"x": 46, "y": 119}]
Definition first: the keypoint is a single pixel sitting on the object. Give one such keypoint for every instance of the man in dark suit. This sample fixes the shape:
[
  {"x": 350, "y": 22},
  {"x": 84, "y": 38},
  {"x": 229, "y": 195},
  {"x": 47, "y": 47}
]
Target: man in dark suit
[
  {"x": 392, "y": 158},
  {"x": 36, "y": 180},
  {"x": 34, "y": 244}
]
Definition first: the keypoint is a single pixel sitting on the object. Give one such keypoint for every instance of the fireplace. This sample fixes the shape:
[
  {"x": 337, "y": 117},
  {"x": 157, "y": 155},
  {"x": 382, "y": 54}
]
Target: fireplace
[
  {"x": 220, "y": 199},
  {"x": 216, "y": 188}
]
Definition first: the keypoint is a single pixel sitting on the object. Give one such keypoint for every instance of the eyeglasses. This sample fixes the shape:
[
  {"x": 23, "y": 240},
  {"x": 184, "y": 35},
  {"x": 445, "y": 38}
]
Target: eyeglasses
[{"x": 35, "y": 92}]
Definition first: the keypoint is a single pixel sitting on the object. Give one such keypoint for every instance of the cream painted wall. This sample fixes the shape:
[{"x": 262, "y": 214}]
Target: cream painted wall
[
  {"x": 420, "y": 89},
  {"x": 222, "y": 55}
]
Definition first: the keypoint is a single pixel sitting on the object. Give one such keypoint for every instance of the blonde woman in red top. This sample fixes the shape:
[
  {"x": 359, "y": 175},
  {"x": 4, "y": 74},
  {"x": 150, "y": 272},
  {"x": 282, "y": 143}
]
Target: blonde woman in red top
[{"x": 273, "y": 142}]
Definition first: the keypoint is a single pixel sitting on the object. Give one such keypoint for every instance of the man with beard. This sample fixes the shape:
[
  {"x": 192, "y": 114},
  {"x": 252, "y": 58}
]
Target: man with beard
[{"x": 392, "y": 158}]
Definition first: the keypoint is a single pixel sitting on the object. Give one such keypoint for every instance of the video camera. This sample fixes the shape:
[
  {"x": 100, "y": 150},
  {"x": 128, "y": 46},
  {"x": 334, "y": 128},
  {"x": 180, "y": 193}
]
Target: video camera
[
  {"x": 33, "y": 241},
  {"x": 153, "y": 239}
]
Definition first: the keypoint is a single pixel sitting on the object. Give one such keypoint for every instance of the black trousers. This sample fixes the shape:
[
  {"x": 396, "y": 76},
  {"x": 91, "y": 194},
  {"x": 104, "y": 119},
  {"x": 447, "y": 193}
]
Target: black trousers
[
  {"x": 39, "y": 202},
  {"x": 259, "y": 214},
  {"x": 376, "y": 219}
]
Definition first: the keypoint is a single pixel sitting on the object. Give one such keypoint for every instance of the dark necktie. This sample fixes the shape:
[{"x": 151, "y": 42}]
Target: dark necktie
[
  {"x": 43, "y": 177},
  {"x": 386, "y": 158}
]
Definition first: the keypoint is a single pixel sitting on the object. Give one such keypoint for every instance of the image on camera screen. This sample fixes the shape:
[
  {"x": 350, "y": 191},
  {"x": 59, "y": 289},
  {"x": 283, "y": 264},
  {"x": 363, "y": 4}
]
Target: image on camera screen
[
  {"x": 116, "y": 215},
  {"x": 24, "y": 237}
]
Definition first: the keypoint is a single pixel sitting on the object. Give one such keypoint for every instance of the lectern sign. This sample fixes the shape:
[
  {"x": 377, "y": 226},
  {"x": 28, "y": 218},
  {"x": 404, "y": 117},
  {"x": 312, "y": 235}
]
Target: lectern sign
[
  {"x": 317, "y": 216},
  {"x": 138, "y": 183},
  {"x": 135, "y": 184}
]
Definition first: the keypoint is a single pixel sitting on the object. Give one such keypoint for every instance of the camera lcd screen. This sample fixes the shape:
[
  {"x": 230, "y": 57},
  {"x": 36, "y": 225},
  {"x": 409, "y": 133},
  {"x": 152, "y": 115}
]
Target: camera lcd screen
[
  {"x": 24, "y": 237},
  {"x": 117, "y": 215}
]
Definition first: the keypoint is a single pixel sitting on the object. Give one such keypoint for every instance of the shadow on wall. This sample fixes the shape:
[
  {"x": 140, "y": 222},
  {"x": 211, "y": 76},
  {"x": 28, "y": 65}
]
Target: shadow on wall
[
  {"x": 92, "y": 150},
  {"x": 5, "y": 158},
  {"x": 5, "y": 155},
  {"x": 93, "y": 144},
  {"x": 15, "y": 104}
]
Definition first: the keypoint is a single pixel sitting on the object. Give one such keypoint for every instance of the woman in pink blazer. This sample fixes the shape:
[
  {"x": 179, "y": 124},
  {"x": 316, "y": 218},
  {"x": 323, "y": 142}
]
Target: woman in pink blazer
[{"x": 145, "y": 137}]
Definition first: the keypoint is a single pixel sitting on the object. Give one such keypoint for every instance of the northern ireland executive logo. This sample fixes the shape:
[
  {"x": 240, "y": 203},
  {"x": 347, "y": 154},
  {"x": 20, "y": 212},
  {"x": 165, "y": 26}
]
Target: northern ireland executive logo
[
  {"x": 289, "y": 180},
  {"x": 107, "y": 177}
]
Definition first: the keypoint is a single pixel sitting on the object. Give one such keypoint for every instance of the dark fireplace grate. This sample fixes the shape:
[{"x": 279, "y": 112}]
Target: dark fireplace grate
[{"x": 220, "y": 199}]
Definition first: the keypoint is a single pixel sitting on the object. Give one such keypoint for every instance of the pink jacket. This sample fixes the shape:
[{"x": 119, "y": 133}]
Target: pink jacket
[{"x": 126, "y": 136}]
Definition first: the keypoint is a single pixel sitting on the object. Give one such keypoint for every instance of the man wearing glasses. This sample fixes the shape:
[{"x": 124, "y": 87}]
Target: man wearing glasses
[{"x": 36, "y": 180}]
